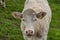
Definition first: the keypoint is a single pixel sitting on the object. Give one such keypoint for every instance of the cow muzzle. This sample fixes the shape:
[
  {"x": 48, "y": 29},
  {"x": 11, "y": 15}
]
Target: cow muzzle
[{"x": 29, "y": 32}]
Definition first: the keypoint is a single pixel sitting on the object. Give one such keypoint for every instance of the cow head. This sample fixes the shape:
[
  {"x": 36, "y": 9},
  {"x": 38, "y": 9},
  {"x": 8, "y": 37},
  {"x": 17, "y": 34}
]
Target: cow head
[{"x": 30, "y": 21}]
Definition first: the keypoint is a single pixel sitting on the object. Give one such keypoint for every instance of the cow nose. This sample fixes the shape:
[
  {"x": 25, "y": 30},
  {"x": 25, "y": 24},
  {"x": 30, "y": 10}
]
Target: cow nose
[{"x": 29, "y": 32}]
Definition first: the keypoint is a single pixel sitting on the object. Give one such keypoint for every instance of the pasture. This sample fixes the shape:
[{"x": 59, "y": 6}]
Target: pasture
[{"x": 10, "y": 27}]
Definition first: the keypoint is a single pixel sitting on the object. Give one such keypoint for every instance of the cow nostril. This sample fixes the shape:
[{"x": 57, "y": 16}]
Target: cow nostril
[
  {"x": 26, "y": 32},
  {"x": 31, "y": 31}
]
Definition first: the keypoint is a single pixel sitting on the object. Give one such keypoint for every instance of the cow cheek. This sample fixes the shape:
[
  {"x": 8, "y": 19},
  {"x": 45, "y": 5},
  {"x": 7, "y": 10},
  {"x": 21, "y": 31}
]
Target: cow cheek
[
  {"x": 36, "y": 27},
  {"x": 22, "y": 27}
]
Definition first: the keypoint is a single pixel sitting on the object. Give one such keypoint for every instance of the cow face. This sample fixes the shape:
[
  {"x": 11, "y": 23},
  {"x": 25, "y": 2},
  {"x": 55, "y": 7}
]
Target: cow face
[{"x": 30, "y": 21}]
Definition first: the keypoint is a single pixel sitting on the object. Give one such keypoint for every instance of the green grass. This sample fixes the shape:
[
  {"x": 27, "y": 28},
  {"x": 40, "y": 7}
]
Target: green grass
[{"x": 10, "y": 27}]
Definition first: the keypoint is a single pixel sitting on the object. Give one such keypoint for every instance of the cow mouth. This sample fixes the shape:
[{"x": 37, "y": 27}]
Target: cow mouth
[{"x": 29, "y": 35}]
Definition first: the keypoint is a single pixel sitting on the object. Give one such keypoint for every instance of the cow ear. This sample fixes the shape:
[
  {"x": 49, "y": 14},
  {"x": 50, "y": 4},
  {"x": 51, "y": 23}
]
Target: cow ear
[
  {"x": 17, "y": 15},
  {"x": 41, "y": 14}
]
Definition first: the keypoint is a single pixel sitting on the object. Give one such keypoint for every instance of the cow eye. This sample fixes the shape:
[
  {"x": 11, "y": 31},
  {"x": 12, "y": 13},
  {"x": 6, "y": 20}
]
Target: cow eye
[
  {"x": 35, "y": 19},
  {"x": 23, "y": 19}
]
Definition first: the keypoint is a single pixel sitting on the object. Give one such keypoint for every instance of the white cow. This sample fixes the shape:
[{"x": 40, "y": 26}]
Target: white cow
[
  {"x": 35, "y": 19},
  {"x": 2, "y": 3}
]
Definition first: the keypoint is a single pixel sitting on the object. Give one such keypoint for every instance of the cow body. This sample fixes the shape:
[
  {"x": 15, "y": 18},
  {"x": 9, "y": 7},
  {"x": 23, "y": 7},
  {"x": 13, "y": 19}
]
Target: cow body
[
  {"x": 39, "y": 5},
  {"x": 36, "y": 19},
  {"x": 2, "y": 3}
]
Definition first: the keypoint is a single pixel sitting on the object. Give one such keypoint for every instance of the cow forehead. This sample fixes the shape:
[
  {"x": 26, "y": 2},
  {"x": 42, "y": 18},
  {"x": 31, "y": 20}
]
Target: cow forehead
[
  {"x": 29, "y": 14},
  {"x": 29, "y": 18}
]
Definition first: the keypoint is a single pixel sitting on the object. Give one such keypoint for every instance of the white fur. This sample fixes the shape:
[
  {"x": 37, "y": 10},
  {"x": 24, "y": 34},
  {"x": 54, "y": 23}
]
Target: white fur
[
  {"x": 39, "y": 5},
  {"x": 2, "y": 3}
]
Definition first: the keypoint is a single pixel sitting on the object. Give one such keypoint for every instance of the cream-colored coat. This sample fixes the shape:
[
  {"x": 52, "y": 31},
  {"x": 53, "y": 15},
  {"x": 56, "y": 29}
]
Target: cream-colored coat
[
  {"x": 37, "y": 6},
  {"x": 2, "y": 3}
]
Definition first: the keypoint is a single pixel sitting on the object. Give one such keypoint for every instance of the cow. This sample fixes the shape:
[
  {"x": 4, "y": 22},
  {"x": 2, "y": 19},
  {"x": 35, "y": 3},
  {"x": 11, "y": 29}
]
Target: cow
[
  {"x": 2, "y": 3},
  {"x": 35, "y": 19}
]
